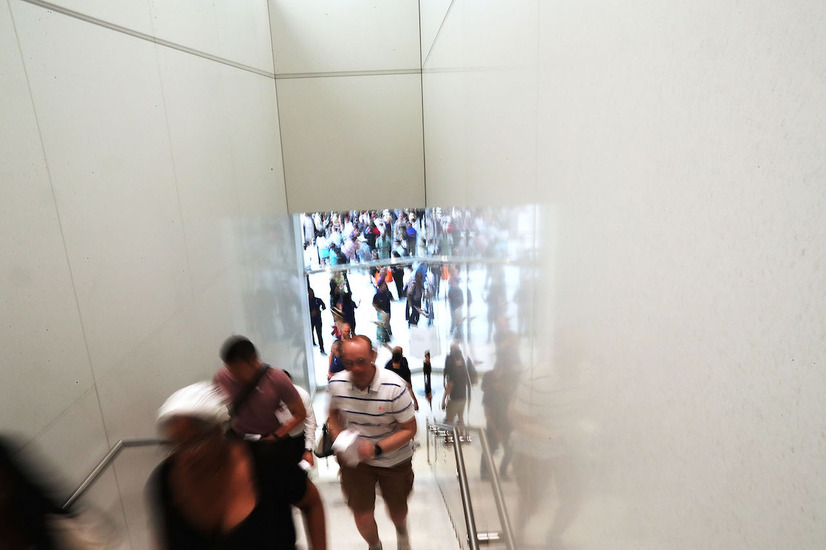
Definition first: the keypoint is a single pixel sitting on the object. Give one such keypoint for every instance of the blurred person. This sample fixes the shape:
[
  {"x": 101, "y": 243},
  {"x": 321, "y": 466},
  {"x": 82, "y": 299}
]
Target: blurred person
[
  {"x": 381, "y": 302},
  {"x": 302, "y": 438},
  {"x": 334, "y": 255},
  {"x": 364, "y": 251},
  {"x": 415, "y": 293},
  {"x": 347, "y": 226},
  {"x": 427, "y": 370},
  {"x": 322, "y": 245},
  {"x": 308, "y": 230},
  {"x": 31, "y": 517},
  {"x": 430, "y": 293},
  {"x": 435, "y": 279},
  {"x": 26, "y": 507},
  {"x": 398, "y": 277},
  {"x": 218, "y": 493},
  {"x": 334, "y": 365},
  {"x": 498, "y": 387},
  {"x": 398, "y": 363},
  {"x": 335, "y": 238},
  {"x": 316, "y": 307},
  {"x": 371, "y": 234},
  {"x": 350, "y": 246},
  {"x": 374, "y": 272},
  {"x": 411, "y": 235},
  {"x": 532, "y": 446},
  {"x": 458, "y": 381},
  {"x": 400, "y": 235},
  {"x": 456, "y": 299},
  {"x": 497, "y": 303},
  {"x": 335, "y": 309},
  {"x": 384, "y": 243},
  {"x": 385, "y": 445},
  {"x": 348, "y": 310},
  {"x": 339, "y": 286},
  {"x": 255, "y": 391},
  {"x": 551, "y": 434}
]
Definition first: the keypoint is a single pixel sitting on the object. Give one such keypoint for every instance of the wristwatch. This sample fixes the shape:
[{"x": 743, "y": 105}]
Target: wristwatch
[{"x": 376, "y": 449}]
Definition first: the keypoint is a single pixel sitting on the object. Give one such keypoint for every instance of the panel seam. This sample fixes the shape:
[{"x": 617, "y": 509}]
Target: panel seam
[{"x": 149, "y": 38}]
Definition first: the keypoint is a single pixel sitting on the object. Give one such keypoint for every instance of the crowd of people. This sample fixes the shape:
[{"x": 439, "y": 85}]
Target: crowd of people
[{"x": 333, "y": 238}]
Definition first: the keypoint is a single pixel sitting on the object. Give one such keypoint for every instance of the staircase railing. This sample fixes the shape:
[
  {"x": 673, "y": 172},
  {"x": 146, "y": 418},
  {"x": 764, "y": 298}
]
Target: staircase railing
[
  {"x": 107, "y": 460},
  {"x": 453, "y": 434}
]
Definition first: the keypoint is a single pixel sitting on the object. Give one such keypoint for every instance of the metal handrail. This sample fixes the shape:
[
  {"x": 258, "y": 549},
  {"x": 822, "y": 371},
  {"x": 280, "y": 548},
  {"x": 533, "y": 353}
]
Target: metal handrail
[
  {"x": 498, "y": 496},
  {"x": 467, "y": 504},
  {"x": 107, "y": 460}
]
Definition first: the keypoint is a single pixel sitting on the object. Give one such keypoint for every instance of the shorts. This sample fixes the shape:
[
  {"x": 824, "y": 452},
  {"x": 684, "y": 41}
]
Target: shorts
[
  {"x": 455, "y": 409},
  {"x": 359, "y": 486}
]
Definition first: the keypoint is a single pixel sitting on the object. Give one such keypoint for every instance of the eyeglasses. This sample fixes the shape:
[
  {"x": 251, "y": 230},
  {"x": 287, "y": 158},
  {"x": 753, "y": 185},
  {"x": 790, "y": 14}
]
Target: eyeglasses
[{"x": 361, "y": 362}]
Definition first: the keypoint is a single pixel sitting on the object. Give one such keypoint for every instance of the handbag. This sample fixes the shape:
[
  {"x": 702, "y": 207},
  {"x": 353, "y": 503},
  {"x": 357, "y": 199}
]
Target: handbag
[{"x": 324, "y": 446}]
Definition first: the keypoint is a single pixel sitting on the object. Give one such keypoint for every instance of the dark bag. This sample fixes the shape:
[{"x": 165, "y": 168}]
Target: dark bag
[
  {"x": 324, "y": 447},
  {"x": 473, "y": 376}
]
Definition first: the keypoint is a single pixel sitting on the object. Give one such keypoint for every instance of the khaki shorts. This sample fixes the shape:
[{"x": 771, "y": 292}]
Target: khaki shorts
[
  {"x": 359, "y": 486},
  {"x": 455, "y": 409}
]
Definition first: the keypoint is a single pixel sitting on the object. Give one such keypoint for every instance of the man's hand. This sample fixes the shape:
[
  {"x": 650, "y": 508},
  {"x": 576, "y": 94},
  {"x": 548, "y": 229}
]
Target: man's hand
[
  {"x": 308, "y": 457},
  {"x": 367, "y": 450}
]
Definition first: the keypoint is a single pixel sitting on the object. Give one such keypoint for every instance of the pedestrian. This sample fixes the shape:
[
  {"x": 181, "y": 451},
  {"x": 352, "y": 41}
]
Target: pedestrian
[
  {"x": 381, "y": 302},
  {"x": 384, "y": 445},
  {"x": 458, "y": 381},
  {"x": 398, "y": 363},
  {"x": 427, "y": 370},
  {"x": 218, "y": 492},
  {"x": 254, "y": 391},
  {"x": 316, "y": 306},
  {"x": 301, "y": 438}
]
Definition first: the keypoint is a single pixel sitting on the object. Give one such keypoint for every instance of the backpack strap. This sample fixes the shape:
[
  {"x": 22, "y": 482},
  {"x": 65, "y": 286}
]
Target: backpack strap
[{"x": 244, "y": 394}]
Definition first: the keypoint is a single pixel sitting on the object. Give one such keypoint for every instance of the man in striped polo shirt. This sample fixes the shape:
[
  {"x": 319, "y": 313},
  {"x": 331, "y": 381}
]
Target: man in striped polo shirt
[{"x": 375, "y": 404}]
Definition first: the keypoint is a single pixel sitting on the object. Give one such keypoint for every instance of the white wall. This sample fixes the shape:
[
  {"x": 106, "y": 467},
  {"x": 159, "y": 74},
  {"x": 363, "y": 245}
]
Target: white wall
[
  {"x": 350, "y": 95},
  {"x": 678, "y": 167},
  {"x": 145, "y": 220}
]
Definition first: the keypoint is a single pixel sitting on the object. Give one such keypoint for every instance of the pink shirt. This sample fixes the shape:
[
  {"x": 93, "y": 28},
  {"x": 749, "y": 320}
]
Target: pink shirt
[{"x": 257, "y": 414}]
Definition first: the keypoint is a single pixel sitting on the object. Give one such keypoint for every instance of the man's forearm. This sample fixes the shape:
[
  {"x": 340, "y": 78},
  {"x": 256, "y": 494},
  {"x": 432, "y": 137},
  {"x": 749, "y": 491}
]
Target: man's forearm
[
  {"x": 299, "y": 414},
  {"x": 334, "y": 424},
  {"x": 287, "y": 427},
  {"x": 397, "y": 440}
]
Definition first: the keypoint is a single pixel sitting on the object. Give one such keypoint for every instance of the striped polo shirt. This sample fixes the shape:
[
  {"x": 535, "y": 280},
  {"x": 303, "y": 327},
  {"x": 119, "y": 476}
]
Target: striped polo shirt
[{"x": 374, "y": 412}]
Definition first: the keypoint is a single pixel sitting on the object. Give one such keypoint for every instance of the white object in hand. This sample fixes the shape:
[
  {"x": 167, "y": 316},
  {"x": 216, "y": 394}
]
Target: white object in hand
[{"x": 346, "y": 447}]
